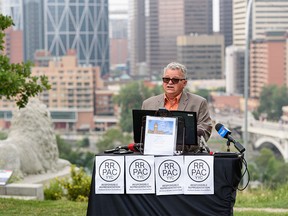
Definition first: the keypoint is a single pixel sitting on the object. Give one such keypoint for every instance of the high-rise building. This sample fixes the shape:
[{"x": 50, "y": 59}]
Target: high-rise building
[
  {"x": 165, "y": 20},
  {"x": 268, "y": 61},
  {"x": 78, "y": 25},
  {"x": 267, "y": 15},
  {"x": 203, "y": 55},
  {"x": 264, "y": 15},
  {"x": 13, "y": 44},
  {"x": 118, "y": 25},
  {"x": 239, "y": 22},
  {"x": 234, "y": 68},
  {"x": 137, "y": 35},
  {"x": 13, "y": 8},
  {"x": 57, "y": 26},
  {"x": 226, "y": 21},
  {"x": 33, "y": 22}
]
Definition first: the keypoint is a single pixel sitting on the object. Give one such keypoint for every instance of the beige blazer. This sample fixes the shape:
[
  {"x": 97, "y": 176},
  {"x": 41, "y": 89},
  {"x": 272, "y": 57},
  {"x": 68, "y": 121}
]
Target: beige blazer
[{"x": 188, "y": 102}]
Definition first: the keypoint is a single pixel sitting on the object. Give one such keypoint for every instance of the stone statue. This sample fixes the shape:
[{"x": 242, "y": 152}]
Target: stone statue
[{"x": 31, "y": 147}]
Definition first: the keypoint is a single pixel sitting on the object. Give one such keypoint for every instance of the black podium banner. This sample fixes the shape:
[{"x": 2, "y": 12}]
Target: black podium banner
[{"x": 227, "y": 175}]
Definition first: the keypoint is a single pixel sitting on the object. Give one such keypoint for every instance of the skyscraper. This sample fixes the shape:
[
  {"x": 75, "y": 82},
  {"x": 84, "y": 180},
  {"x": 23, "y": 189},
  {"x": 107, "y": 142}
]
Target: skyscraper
[
  {"x": 226, "y": 19},
  {"x": 165, "y": 20},
  {"x": 13, "y": 8},
  {"x": 268, "y": 15},
  {"x": 79, "y": 25},
  {"x": 268, "y": 61},
  {"x": 137, "y": 35},
  {"x": 234, "y": 67},
  {"x": 58, "y": 26},
  {"x": 265, "y": 15},
  {"x": 239, "y": 22},
  {"x": 33, "y": 22}
]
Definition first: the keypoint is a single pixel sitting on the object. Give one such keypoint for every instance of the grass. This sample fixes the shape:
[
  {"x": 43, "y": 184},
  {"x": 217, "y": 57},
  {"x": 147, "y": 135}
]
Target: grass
[
  {"x": 260, "y": 200},
  {"x": 258, "y": 213},
  {"x": 10, "y": 207},
  {"x": 256, "y": 200},
  {"x": 39, "y": 208},
  {"x": 263, "y": 198}
]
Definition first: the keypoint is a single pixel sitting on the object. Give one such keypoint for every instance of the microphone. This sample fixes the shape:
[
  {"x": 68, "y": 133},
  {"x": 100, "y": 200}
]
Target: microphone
[
  {"x": 132, "y": 147},
  {"x": 225, "y": 133},
  {"x": 135, "y": 147}
]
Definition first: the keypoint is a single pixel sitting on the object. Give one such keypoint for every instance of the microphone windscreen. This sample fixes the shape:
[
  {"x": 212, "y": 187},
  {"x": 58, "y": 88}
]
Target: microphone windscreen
[
  {"x": 131, "y": 147},
  {"x": 218, "y": 126}
]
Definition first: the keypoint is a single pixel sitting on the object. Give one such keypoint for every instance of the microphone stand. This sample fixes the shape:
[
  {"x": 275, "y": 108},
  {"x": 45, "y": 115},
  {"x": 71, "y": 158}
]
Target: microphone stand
[
  {"x": 228, "y": 145},
  {"x": 203, "y": 145}
]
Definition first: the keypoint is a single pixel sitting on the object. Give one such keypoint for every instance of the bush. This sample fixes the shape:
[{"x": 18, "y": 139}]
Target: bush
[
  {"x": 3, "y": 135},
  {"x": 75, "y": 188},
  {"x": 78, "y": 187},
  {"x": 54, "y": 191}
]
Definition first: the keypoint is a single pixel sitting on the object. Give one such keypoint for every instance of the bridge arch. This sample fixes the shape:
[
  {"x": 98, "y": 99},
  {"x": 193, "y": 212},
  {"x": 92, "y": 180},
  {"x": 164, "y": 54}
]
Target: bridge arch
[{"x": 262, "y": 142}]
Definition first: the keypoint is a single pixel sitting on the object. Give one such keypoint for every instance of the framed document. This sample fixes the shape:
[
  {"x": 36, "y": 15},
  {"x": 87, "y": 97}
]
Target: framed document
[{"x": 160, "y": 135}]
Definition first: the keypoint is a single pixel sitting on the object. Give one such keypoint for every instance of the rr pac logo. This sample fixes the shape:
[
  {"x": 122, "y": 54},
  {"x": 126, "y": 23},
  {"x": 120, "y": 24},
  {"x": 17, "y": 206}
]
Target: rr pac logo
[
  {"x": 140, "y": 170},
  {"x": 169, "y": 171},
  {"x": 109, "y": 170},
  {"x": 198, "y": 170}
]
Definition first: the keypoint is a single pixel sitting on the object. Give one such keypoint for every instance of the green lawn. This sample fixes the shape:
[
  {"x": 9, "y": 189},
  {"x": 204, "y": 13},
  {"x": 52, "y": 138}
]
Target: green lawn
[
  {"x": 257, "y": 200},
  {"x": 39, "y": 208}
]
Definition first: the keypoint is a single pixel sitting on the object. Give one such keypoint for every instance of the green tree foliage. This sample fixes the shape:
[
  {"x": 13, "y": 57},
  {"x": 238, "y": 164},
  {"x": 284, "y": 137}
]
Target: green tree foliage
[
  {"x": 77, "y": 156},
  {"x": 16, "y": 81},
  {"x": 268, "y": 169},
  {"x": 131, "y": 97},
  {"x": 272, "y": 99},
  {"x": 111, "y": 138},
  {"x": 3, "y": 135},
  {"x": 85, "y": 143}
]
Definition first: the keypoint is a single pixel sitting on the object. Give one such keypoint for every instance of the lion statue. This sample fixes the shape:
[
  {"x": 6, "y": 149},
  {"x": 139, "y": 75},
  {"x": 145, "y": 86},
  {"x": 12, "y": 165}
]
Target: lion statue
[{"x": 31, "y": 147}]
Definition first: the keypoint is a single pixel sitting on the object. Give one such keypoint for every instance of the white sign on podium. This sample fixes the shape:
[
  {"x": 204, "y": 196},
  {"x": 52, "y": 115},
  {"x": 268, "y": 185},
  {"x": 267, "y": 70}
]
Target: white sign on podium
[
  {"x": 140, "y": 174},
  {"x": 109, "y": 175},
  {"x": 199, "y": 174},
  {"x": 169, "y": 175}
]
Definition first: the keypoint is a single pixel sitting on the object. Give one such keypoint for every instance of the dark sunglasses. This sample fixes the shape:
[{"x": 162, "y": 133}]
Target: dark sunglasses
[{"x": 174, "y": 80}]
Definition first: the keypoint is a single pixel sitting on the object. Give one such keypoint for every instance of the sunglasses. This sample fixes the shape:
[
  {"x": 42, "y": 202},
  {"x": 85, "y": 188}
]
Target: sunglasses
[{"x": 174, "y": 80}]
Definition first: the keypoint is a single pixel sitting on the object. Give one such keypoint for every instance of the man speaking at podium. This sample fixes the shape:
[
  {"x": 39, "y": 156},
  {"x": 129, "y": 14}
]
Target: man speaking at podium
[{"x": 174, "y": 98}]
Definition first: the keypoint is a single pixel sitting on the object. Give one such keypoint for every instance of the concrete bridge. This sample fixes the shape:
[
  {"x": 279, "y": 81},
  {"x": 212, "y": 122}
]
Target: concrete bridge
[{"x": 260, "y": 133}]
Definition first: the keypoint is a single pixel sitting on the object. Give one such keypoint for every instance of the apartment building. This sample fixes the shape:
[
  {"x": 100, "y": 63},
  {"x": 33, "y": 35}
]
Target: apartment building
[{"x": 268, "y": 61}]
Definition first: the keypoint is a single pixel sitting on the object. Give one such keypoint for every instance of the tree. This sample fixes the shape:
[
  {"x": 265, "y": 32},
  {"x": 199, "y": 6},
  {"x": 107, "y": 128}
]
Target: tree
[
  {"x": 272, "y": 99},
  {"x": 269, "y": 169},
  {"x": 78, "y": 156},
  {"x": 112, "y": 138},
  {"x": 131, "y": 97},
  {"x": 16, "y": 81}
]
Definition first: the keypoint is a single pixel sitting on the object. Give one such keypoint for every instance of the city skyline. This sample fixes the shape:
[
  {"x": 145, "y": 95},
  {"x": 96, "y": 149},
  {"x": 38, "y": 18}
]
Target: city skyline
[{"x": 115, "y": 5}]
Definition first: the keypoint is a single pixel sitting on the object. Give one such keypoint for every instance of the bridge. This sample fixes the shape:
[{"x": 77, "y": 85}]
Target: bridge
[{"x": 260, "y": 133}]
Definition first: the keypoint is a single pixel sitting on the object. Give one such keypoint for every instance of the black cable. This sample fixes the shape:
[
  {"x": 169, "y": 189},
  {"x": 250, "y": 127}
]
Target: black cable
[{"x": 246, "y": 170}]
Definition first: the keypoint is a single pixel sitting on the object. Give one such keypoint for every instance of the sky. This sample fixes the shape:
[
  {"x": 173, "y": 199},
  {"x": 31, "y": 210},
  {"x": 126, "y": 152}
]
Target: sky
[{"x": 123, "y": 4}]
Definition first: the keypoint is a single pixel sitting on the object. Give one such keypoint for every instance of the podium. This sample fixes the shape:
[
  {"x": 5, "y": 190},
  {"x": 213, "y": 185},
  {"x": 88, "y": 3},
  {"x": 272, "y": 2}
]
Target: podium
[{"x": 227, "y": 175}]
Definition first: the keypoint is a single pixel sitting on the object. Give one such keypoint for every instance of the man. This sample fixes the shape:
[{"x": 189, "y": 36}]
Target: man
[{"x": 174, "y": 98}]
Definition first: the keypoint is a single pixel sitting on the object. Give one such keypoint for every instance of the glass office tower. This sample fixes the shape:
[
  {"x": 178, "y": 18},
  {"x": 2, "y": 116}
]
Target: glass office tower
[{"x": 80, "y": 25}]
